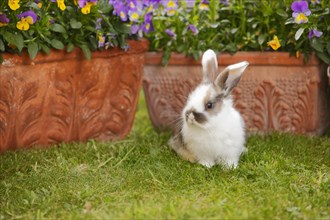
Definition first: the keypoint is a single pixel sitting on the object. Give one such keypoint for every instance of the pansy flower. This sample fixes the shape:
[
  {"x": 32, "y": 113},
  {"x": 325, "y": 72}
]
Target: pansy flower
[
  {"x": 13, "y": 4},
  {"x": 134, "y": 28},
  {"x": 170, "y": 6},
  {"x": 134, "y": 15},
  {"x": 224, "y": 2},
  {"x": 170, "y": 33},
  {"x": 190, "y": 3},
  {"x": 151, "y": 5},
  {"x": 275, "y": 43},
  {"x": 99, "y": 24},
  {"x": 120, "y": 10},
  {"x": 300, "y": 11},
  {"x": 314, "y": 33},
  {"x": 101, "y": 40},
  {"x": 147, "y": 25},
  {"x": 38, "y": 3},
  {"x": 204, "y": 5},
  {"x": 134, "y": 5},
  {"x": 86, "y": 5},
  {"x": 3, "y": 19},
  {"x": 315, "y": 2},
  {"x": 134, "y": 10},
  {"x": 193, "y": 29},
  {"x": 26, "y": 19},
  {"x": 60, "y": 4}
]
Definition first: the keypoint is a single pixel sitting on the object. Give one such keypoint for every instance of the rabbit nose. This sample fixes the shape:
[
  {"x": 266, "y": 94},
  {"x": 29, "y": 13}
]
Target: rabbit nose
[
  {"x": 192, "y": 116},
  {"x": 189, "y": 115}
]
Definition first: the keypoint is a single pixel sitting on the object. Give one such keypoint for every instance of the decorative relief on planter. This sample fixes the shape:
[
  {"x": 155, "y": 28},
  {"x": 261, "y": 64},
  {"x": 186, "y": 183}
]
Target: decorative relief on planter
[
  {"x": 68, "y": 98},
  {"x": 272, "y": 96},
  {"x": 169, "y": 89}
]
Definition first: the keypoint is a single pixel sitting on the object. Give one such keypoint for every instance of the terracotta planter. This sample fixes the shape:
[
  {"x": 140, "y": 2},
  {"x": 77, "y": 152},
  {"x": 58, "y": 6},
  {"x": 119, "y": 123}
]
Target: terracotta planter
[
  {"x": 276, "y": 92},
  {"x": 62, "y": 97}
]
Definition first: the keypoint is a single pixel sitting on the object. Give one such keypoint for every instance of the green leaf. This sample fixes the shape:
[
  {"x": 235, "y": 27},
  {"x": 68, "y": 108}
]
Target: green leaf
[
  {"x": 57, "y": 44},
  {"x": 75, "y": 24},
  {"x": 19, "y": 41},
  {"x": 45, "y": 48},
  {"x": 86, "y": 51},
  {"x": 234, "y": 30},
  {"x": 328, "y": 47},
  {"x": 58, "y": 28},
  {"x": 196, "y": 55},
  {"x": 33, "y": 50},
  {"x": 69, "y": 47},
  {"x": 166, "y": 57},
  {"x": 298, "y": 34},
  {"x": 282, "y": 13},
  {"x": 289, "y": 21},
  {"x": 324, "y": 57},
  {"x": 14, "y": 39},
  {"x": 317, "y": 45},
  {"x": 2, "y": 45},
  {"x": 1, "y": 58},
  {"x": 262, "y": 38}
]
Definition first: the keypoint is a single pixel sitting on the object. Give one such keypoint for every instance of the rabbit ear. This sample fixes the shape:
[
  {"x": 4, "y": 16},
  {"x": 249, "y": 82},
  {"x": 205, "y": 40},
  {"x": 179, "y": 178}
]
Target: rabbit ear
[
  {"x": 210, "y": 66},
  {"x": 230, "y": 76}
]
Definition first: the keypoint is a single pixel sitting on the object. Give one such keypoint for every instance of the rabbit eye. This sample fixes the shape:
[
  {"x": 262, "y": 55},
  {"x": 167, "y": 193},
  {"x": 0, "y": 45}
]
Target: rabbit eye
[{"x": 209, "y": 105}]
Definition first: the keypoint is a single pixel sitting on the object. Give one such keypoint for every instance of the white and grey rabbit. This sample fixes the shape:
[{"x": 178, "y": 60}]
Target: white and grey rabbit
[{"x": 212, "y": 131}]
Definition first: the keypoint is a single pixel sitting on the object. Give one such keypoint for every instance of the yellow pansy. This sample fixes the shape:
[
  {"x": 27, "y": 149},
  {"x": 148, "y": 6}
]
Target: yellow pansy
[
  {"x": 61, "y": 5},
  {"x": 101, "y": 38},
  {"x": 151, "y": 7},
  {"x": 170, "y": 12},
  {"x": 3, "y": 24},
  {"x": 87, "y": 8},
  {"x": 13, "y": 4},
  {"x": 203, "y": 6},
  {"x": 275, "y": 43},
  {"x": 24, "y": 23},
  {"x": 301, "y": 18},
  {"x": 171, "y": 4}
]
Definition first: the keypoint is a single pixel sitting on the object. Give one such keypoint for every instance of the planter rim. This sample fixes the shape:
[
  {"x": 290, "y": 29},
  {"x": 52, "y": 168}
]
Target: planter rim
[
  {"x": 135, "y": 47},
  {"x": 253, "y": 57}
]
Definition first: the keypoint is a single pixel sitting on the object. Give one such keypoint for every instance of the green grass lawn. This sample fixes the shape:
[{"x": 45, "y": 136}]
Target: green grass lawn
[{"x": 281, "y": 177}]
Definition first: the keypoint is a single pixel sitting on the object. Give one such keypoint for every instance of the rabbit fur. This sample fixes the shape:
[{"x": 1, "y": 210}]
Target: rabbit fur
[{"x": 211, "y": 130}]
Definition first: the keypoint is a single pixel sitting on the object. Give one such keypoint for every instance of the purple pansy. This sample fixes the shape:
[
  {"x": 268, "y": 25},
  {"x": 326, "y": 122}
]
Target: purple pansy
[
  {"x": 153, "y": 4},
  {"x": 224, "y": 2},
  {"x": 190, "y": 3},
  {"x": 134, "y": 28},
  {"x": 170, "y": 33},
  {"x": 300, "y": 11},
  {"x": 148, "y": 17},
  {"x": 134, "y": 5},
  {"x": 147, "y": 27},
  {"x": 3, "y": 19},
  {"x": 134, "y": 15},
  {"x": 99, "y": 24},
  {"x": 120, "y": 10},
  {"x": 82, "y": 3},
  {"x": 314, "y": 33},
  {"x": 193, "y": 29},
  {"x": 30, "y": 14},
  {"x": 111, "y": 2},
  {"x": 170, "y": 6}
]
